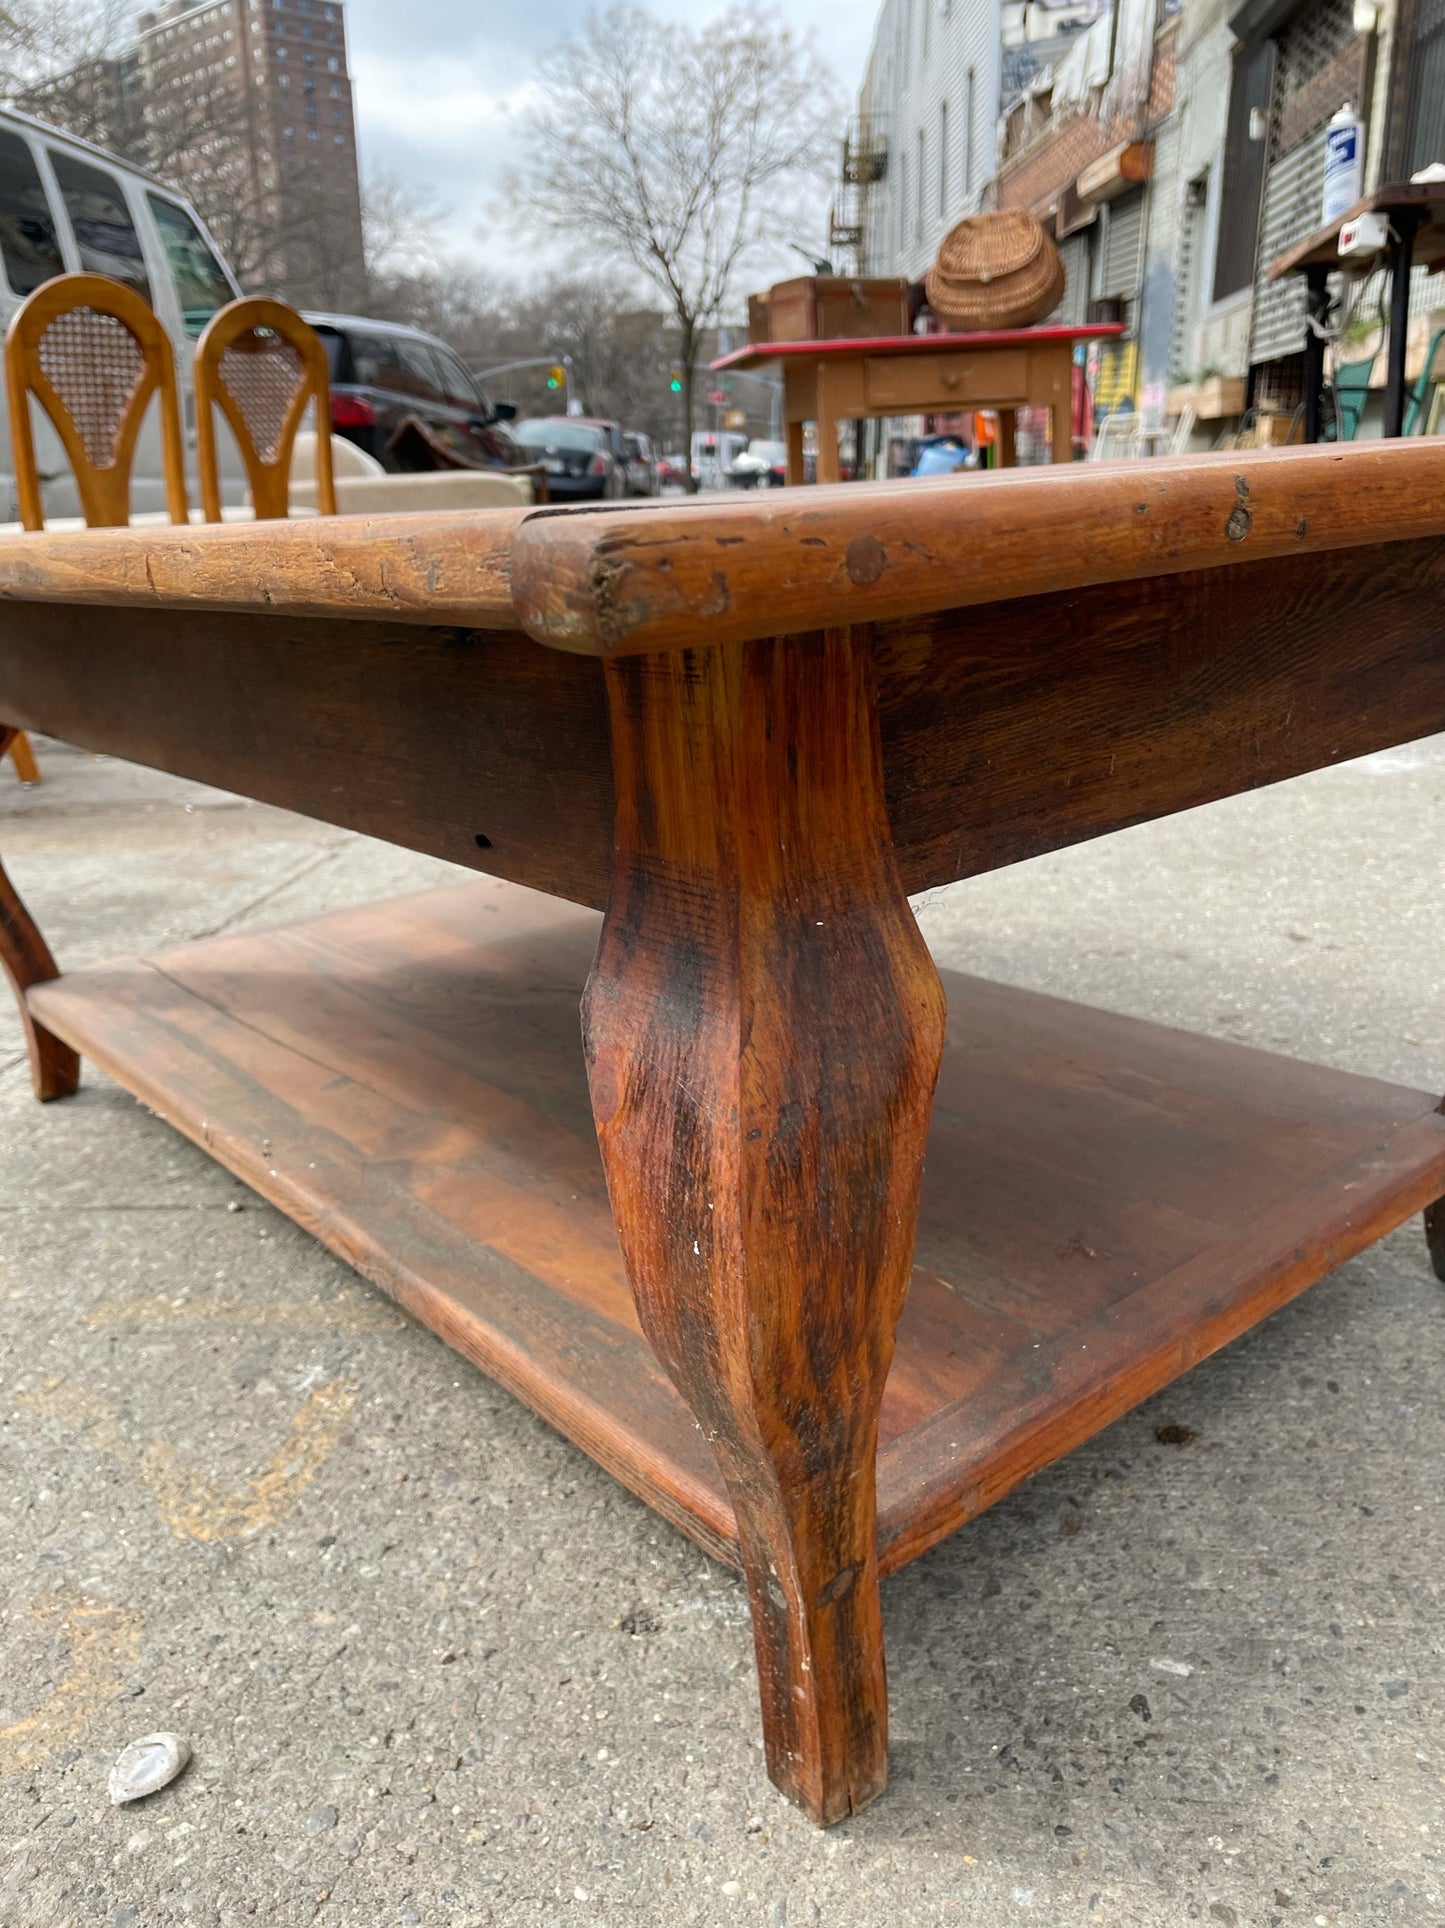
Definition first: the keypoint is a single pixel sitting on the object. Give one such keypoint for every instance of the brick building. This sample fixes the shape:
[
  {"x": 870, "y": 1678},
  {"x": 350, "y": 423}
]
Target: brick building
[{"x": 1174, "y": 148}]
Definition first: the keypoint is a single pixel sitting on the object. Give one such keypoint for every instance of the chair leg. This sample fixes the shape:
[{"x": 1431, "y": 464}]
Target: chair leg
[
  {"x": 1435, "y": 1236},
  {"x": 23, "y": 757},
  {"x": 26, "y": 960}
]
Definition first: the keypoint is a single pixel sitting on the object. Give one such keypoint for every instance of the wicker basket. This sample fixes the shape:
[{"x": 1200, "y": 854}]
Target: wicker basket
[{"x": 995, "y": 271}]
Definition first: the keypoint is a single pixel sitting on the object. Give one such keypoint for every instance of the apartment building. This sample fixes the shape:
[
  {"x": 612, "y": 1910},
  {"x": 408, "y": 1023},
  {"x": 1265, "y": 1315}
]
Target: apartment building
[
  {"x": 922, "y": 149},
  {"x": 247, "y": 105}
]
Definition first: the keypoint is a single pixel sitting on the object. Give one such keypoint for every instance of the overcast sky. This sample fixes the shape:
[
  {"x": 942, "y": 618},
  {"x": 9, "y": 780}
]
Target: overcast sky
[{"x": 437, "y": 83}]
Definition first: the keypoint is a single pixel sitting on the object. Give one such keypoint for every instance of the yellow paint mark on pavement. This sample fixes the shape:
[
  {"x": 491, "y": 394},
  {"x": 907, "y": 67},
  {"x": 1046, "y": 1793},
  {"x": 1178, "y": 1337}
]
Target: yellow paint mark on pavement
[
  {"x": 191, "y": 1505},
  {"x": 290, "y": 1314},
  {"x": 104, "y": 1645}
]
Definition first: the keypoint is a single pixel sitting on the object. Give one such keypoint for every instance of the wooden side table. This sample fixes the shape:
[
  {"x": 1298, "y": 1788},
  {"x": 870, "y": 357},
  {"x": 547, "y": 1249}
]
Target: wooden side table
[
  {"x": 1007, "y": 369},
  {"x": 699, "y": 1238}
]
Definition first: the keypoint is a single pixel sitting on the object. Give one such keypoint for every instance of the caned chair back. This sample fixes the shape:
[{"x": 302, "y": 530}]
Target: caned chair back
[
  {"x": 262, "y": 366},
  {"x": 93, "y": 354}
]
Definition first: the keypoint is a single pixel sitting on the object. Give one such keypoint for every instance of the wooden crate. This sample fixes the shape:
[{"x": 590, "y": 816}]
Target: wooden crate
[{"x": 838, "y": 307}]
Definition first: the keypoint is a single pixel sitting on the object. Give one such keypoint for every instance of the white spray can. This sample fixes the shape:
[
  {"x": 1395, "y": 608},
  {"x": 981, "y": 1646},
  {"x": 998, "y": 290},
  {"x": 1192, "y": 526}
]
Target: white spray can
[{"x": 1344, "y": 164}]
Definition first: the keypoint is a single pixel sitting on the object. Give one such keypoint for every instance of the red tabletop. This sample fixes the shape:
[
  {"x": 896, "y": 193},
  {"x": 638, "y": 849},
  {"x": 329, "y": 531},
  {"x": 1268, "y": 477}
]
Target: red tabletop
[{"x": 763, "y": 351}]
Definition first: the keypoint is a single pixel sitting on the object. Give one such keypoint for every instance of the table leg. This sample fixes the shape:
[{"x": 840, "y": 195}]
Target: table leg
[
  {"x": 763, "y": 1030},
  {"x": 1404, "y": 221},
  {"x": 1061, "y": 432},
  {"x": 1317, "y": 308},
  {"x": 1007, "y": 439},
  {"x": 1435, "y": 1233},
  {"x": 795, "y": 455},
  {"x": 829, "y": 468},
  {"x": 26, "y": 959}
]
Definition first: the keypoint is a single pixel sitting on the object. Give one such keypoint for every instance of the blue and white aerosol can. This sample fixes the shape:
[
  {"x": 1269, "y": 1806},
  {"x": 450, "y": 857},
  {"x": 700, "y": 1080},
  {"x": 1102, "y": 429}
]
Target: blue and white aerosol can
[{"x": 1344, "y": 163}]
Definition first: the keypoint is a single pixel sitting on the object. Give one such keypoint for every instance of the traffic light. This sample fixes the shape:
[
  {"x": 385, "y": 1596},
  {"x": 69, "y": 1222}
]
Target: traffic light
[
  {"x": 556, "y": 375},
  {"x": 676, "y": 383}
]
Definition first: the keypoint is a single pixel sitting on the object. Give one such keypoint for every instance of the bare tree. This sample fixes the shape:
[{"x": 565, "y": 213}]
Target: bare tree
[
  {"x": 39, "y": 38},
  {"x": 401, "y": 224},
  {"x": 683, "y": 154}
]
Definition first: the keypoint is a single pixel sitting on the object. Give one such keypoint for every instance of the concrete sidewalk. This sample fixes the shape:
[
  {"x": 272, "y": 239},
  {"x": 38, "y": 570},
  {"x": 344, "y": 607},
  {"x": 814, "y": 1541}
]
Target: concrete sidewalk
[{"x": 438, "y": 1668}]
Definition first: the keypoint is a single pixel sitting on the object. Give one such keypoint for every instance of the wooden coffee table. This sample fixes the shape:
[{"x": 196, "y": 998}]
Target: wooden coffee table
[{"x": 749, "y": 729}]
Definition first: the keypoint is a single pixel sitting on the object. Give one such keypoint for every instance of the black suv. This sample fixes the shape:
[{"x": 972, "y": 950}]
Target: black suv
[{"x": 409, "y": 400}]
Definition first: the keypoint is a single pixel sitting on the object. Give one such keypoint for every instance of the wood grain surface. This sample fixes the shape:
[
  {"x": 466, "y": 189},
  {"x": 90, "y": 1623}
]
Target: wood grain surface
[
  {"x": 440, "y": 567},
  {"x": 26, "y": 960},
  {"x": 1016, "y": 729},
  {"x": 778, "y": 562},
  {"x": 1104, "y": 1202},
  {"x": 1006, "y": 731},
  {"x": 470, "y": 745},
  {"x": 683, "y": 573},
  {"x": 763, "y": 1028}
]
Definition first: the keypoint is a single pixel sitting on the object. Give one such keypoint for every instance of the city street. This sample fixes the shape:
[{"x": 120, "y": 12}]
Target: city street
[{"x": 437, "y": 1667}]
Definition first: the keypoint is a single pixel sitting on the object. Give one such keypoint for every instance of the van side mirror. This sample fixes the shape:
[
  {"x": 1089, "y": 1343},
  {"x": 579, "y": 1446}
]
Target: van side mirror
[{"x": 504, "y": 411}]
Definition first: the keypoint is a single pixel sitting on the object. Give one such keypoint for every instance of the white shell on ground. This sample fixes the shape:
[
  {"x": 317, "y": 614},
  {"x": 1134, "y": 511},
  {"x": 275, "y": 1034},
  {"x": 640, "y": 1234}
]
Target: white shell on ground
[{"x": 146, "y": 1766}]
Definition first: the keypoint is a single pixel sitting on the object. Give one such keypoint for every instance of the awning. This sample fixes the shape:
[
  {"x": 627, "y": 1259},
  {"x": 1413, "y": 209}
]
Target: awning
[{"x": 1116, "y": 172}]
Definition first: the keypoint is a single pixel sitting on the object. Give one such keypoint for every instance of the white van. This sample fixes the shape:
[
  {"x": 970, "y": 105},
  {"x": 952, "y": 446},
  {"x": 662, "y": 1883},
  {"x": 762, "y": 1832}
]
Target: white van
[{"x": 68, "y": 207}]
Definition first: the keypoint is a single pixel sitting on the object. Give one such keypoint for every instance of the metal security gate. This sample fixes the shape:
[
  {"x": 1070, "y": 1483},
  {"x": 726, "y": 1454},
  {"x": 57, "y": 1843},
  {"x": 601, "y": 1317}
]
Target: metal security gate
[
  {"x": 1293, "y": 197},
  {"x": 1425, "y": 120}
]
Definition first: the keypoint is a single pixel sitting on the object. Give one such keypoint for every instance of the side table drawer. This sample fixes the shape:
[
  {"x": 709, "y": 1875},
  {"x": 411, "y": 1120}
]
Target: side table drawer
[{"x": 945, "y": 381}]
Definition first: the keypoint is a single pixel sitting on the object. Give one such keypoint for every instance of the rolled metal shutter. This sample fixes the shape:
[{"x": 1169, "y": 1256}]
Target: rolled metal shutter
[
  {"x": 1074, "y": 254},
  {"x": 1123, "y": 246}
]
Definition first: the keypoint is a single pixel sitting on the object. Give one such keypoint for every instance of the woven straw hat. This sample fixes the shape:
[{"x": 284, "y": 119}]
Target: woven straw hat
[{"x": 995, "y": 270}]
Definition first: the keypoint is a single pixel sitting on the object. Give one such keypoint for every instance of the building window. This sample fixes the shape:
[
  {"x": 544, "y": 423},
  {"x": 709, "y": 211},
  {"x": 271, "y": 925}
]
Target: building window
[{"x": 333, "y": 64}]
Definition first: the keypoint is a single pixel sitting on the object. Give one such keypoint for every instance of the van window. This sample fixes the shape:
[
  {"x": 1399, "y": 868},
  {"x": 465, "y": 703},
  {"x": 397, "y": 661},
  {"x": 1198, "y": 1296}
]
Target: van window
[
  {"x": 201, "y": 284},
  {"x": 105, "y": 235},
  {"x": 28, "y": 239}
]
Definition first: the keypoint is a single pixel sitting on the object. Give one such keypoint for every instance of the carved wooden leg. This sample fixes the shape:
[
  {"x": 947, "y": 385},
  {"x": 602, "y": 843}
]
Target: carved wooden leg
[
  {"x": 54, "y": 1067},
  {"x": 1435, "y": 1235},
  {"x": 763, "y": 1029}
]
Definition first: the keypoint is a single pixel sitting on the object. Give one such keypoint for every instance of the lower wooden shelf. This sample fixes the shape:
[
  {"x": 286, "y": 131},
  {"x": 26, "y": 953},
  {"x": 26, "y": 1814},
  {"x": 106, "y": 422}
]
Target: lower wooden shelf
[{"x": 1106, "y": 1202}]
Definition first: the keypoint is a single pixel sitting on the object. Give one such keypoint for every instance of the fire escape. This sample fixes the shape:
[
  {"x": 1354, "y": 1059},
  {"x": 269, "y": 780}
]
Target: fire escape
[{"x": 865, "y": 161}]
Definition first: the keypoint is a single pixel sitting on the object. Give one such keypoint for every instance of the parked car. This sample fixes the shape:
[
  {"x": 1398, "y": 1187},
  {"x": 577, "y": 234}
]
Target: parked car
[
  {"x": 386, "y": 378},
  {"x": 68, "y": 207},
  {"x": 581, "y": 457},
  {"x": 672, "y": 471},
  {"x": 641, "y": 463},
  {"x": 762, "y": 465}
]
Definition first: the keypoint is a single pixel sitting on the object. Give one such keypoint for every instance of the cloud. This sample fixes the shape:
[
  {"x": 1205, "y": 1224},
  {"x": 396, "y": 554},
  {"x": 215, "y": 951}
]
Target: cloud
[{"x": 440, "y": 85}]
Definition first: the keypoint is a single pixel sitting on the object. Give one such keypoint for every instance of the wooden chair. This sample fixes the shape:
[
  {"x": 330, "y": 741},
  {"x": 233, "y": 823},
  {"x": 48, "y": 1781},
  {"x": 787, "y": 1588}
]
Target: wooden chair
[
  {"x": 93, "y": 355},
  {"x": 262, "y": 366}
]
